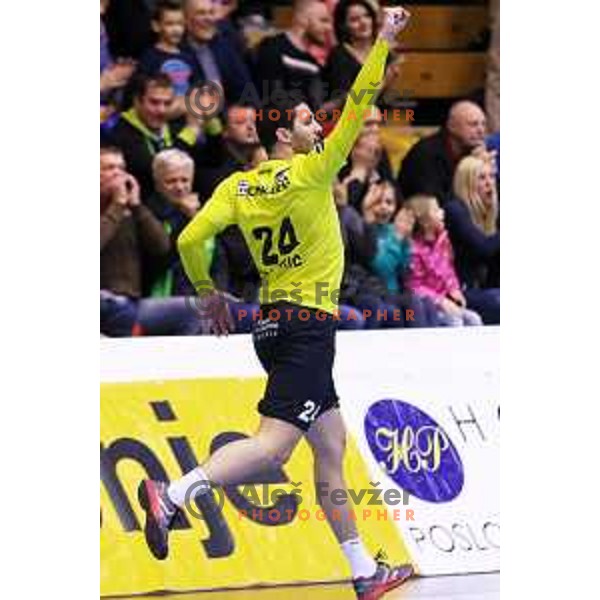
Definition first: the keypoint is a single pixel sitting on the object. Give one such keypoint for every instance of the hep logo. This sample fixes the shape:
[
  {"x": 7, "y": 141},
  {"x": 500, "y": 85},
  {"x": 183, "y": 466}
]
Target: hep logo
[{"x": 414, "y": 451}]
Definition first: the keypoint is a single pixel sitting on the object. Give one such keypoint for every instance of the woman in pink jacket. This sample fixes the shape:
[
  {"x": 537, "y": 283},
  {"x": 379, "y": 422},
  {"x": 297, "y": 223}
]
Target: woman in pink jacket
[{"x": 432, "y": 272}]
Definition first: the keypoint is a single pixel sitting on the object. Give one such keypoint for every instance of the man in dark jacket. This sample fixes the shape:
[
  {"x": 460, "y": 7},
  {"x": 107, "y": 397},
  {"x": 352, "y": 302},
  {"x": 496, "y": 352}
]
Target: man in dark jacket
[
  {"x": 143, "y": 130},
  {"x": 235, "y": 152},
  {"x": 215, "y": 52},
  {"x": 285, "y": 69},
  {"x": 429, "y": 166}
]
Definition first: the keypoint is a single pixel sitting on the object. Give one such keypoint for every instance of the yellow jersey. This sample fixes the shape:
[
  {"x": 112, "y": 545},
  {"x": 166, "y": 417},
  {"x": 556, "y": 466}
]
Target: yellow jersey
[{"x": 286, "y": 211}]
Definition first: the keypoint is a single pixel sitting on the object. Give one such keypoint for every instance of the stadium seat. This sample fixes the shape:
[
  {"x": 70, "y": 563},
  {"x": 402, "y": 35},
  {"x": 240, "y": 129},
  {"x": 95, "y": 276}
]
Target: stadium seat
[
  {"x": 282, "y": 16},
  {"x": 441, "y": 74},
  {"x": 446, "y": 28}
]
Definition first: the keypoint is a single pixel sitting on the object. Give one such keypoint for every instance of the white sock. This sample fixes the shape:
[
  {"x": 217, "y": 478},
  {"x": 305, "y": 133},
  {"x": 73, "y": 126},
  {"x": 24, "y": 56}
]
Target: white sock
[
  {"x": 361, "y": 562},
  {"x": 178, "y": 490}
]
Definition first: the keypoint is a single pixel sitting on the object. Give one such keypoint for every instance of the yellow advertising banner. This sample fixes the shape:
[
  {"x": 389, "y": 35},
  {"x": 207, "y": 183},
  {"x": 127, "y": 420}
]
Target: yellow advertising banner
[{"x": 268, "y": 531}]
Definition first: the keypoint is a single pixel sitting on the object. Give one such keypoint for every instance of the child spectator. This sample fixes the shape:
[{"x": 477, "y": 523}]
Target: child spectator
[
  {"x": 393, "y": 251},
  {"x": 168, "y": 23},
  {"x": 432, "y": 273},
  {"x": 393, "y": 238}
]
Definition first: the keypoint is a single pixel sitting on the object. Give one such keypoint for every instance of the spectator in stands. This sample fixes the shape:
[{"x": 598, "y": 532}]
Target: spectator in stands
[
  {"x": 227, "y": 16},
  {"x": 432, "y": 272},
  {"x": 253, "y": 22},
  {"x": 143, "y": 130},
  {"x": 360, "y": 289},
  {"x": 216, "y": 53},
  {"x": 285, "y": 67},
  {"x": 392, "y": 258},
  {"x": 235, "y": 151},
  {"x": 113, "y": 75},
  {"x": 224, "y": 9},
  {"x": 128, "y": 26},
  {"x": 165, "y": 56},
  {"x": 127, "y": 231},
  {"x": 369, "y": 162},
  {"x": 321, "y": 51},
  {"x": 472, "y": 224},
  {"x": 393, "y": 251},
  {"x": 355, "y": 29},
  {"x": 176, "y": 205},
  {"x": 429, "y": 166}
]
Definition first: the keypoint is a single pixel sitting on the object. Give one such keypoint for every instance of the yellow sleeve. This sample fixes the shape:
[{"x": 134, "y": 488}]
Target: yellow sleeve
[
  {"x": 320, "y": 169},
  {"x": 216, "y": 215}
]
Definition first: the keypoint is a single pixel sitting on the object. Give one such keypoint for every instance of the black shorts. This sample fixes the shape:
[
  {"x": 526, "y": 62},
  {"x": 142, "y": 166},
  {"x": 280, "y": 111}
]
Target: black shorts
[{"x": 296, "y": 347}]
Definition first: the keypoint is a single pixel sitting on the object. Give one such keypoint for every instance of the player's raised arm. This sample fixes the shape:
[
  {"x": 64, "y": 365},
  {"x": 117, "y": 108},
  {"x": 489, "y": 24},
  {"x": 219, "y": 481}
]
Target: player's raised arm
[{"x": 367, "y": 85}]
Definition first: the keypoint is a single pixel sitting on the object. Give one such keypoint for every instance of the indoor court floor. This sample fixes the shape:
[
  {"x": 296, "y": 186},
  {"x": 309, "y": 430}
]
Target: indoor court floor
[{"x": 455, "y": 587}]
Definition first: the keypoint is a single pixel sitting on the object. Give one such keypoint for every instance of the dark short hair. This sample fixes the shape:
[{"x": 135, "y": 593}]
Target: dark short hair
[
  {"x": 267, "y": 127},
  {"x": 237, "y": 106},
  {"x": 142, "y": 82},
  {"x": 163, "y": 6},
  {"x": 340, "y": 16}
]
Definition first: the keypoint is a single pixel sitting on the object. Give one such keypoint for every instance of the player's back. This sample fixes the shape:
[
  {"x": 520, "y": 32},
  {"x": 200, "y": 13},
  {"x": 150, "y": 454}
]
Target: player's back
[
  {"x": 290, "y": 223},
  {"x": 286, "y": 212}
]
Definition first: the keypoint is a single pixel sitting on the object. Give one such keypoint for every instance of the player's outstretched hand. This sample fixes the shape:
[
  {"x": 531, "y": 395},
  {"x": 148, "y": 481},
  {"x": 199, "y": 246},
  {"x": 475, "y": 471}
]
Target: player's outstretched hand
[
  {"x": 395, "y": 20},
  {"x": 216, "y": 313}
]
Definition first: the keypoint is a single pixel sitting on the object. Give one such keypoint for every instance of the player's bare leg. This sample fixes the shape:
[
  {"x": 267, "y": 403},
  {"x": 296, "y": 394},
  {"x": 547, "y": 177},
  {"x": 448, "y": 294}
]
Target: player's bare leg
[
  {"x": 271, "y": 446},
  {"x": 327, "y": 438},
  {"x": 372, "y": 579}
]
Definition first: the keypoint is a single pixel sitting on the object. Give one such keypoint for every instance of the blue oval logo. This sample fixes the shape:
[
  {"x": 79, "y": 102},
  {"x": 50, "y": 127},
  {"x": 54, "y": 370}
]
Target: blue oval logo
[{"x": 414, "y": 451}]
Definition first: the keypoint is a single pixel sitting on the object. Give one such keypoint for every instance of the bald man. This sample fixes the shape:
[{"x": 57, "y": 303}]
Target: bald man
[
  {"x": 429, "y": 166},
  {"x": 213, "y": 51},
  {"x": 285, "y": 63}
]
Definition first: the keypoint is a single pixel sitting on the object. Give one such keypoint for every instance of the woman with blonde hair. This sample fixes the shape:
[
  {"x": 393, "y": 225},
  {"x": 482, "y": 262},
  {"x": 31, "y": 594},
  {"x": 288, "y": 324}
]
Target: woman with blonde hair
[
  {"x": 472, "y": 221},
  {"x": 474, "y": 184}
]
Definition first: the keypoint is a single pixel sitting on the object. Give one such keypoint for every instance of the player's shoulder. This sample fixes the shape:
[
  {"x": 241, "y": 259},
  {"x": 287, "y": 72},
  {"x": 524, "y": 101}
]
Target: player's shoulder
[
  {"x": 276, "y": 168},
  {"x": 269, "y": 174},
  {"x": 226, "y": 184},
  {"x": 302, "y": 160},
  {"x": 305, "y": 169}
]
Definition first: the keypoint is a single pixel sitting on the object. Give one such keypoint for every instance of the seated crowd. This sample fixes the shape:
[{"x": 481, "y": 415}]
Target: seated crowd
[{"x": 422, "y": 246}]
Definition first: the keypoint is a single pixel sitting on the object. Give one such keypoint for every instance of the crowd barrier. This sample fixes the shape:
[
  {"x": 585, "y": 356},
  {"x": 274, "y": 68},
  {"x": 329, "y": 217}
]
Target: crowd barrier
[{"x": 422, "y": 409}]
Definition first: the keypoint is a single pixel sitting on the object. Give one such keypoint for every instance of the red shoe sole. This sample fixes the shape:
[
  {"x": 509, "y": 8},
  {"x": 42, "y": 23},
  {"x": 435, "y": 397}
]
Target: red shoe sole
[{"x": 388, "y": 587}]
